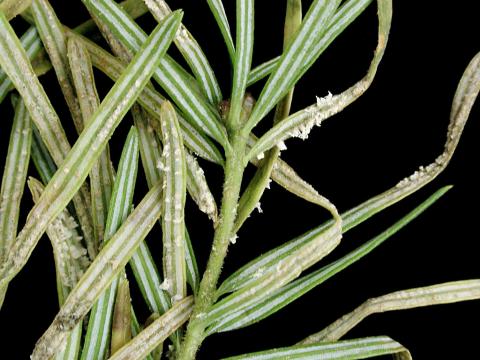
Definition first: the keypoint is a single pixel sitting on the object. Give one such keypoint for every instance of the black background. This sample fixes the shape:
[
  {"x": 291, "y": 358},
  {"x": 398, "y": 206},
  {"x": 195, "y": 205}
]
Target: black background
[{"x": 398, "y": 125}]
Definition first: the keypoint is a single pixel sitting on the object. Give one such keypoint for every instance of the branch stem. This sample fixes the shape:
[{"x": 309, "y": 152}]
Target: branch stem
[{"x": 224, "y": 231}]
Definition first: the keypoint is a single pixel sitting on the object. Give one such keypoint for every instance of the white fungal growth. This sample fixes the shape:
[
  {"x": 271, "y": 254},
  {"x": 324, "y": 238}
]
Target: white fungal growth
[
  {"x": 166, "y": 147},
  {"x": 259, "y": 273},
  {"x": 159, "y": 8},
  {"x": 324, "y": 101},
  {"x": 269, "y": 181},
  {"x": 423, "y": 173},
  {"x": 70, "y": 255},
  {"x": 166, "y": 285},
  {"x": 260, "y": 156},
  {"x": 233, "y": 239},
  {"x": 281, "y": 146},
  {"x": 198, "y": 188},
  {"x": 322, "y": 110},
  {"x": 201, "y": 315},
  {"x": 176, "y": 298},
  {"x": 259, "y": 208},
  {"x": 161, "y": 165},
  {"x": 182, "y": 34}
]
